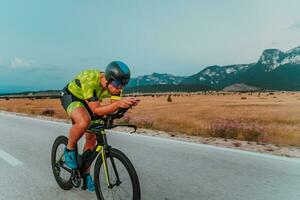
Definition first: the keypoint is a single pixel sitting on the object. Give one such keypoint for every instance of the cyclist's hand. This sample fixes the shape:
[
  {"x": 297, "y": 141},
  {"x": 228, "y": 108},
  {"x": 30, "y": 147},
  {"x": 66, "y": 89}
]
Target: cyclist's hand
[
  {"x": 126, "y": 102},
  {"x": 136, "y": 101},
  {"x": 123, "y": 105}
]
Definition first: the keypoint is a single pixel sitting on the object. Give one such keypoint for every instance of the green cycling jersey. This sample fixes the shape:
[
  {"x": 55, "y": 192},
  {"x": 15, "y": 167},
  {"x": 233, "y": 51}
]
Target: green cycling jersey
[{"x": 87, "y": 86}]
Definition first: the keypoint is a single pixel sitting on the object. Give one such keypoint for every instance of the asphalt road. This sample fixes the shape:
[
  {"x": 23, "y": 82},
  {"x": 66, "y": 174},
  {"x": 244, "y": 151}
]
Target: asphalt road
[{"x": 168, "y": 169}]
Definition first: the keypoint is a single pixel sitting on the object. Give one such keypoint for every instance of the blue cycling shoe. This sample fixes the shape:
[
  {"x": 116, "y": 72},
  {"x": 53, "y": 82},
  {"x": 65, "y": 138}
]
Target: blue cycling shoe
[
  {"x": 89, "y": 183},
  {"x": 70, "y": 159}
]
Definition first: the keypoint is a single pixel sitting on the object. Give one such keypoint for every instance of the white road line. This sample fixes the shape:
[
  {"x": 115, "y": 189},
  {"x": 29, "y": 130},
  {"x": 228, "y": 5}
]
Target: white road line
[{"x": 10, "y": 159}]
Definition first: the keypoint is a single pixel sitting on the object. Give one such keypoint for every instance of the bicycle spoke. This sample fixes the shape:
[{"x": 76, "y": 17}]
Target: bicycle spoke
[
  {"x": 124, "y": 180},
  {"x": 63, "y": 174},
  {"x": 122, "y": 170},
  {"x": 107, "y": 194},
  {"x": 120, "y": 197},
  {"x": 118, "y": 164},
  {"x": 113, "y": 194},
  {"x": 124, "y": 190},
  {"x": 59, "y": 155}
]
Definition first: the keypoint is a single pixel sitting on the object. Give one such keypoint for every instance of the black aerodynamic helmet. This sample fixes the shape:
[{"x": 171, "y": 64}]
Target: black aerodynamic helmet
[{"x": 117, "y": 72}]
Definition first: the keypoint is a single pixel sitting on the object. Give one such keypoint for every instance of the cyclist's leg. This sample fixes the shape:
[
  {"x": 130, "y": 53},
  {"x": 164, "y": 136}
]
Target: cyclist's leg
[
  {"x": 90, "y": 141},
  {"x": 81, "y": 120},
  {"x": 79, "y": 114}
]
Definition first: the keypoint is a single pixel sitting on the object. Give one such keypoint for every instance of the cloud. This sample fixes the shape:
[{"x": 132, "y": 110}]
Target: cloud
[
  {"x": 275, "y": 43},
  {"x": 294, "y": 26},
  {"x": 31, "y": 75},
  {"x": 21, "y": 63}
]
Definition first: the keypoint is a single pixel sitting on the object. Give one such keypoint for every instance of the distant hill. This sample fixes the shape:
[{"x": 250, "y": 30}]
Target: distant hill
[
  {"x": 240, "y": 87},
  {"x": 219, "y": 77},
  {"x": 167, "y": 88},
  {"x": 274, "y": 70},
  {"x": 155, "y": 79}
]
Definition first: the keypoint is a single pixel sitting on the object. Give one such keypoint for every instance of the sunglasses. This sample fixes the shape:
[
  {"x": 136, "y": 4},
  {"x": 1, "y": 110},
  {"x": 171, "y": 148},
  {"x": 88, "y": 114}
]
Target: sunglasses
[{"x": 117, "y": 84}]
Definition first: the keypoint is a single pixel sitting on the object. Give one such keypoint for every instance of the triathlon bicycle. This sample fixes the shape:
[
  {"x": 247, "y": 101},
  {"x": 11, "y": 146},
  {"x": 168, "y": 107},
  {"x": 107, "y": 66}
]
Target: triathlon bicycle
[{"x": 114, "y": 174}]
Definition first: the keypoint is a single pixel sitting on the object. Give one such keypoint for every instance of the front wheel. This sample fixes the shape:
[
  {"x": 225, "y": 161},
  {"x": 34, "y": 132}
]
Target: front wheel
[{"x": 122, "y": 175}]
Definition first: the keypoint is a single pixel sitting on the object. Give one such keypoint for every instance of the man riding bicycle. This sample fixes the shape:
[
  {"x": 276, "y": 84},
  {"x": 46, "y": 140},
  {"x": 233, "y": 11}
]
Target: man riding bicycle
[{"x": 81, "y": 99}]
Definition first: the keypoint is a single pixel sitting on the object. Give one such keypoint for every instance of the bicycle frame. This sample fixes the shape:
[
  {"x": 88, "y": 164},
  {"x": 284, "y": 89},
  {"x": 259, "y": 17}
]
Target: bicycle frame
[
  {"x": 85, "y": 160},
  {"x": 101, "y": 147},
  {"x": 107, "y": 174}
]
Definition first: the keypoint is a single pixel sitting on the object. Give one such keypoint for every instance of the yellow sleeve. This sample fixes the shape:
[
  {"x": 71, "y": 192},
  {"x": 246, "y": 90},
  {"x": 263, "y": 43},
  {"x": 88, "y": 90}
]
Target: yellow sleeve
[{"x": 117, "y": 97}]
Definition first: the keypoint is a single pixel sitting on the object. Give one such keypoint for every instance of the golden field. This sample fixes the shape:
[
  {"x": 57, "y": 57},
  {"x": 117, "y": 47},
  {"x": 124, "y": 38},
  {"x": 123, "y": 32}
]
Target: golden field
[{"x": 261, "y": 117}]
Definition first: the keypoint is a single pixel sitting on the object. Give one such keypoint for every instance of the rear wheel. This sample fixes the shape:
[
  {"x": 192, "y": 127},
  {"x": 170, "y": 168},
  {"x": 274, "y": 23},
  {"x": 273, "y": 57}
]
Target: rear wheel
[
  {"x": 126, "y": 186},
  {"x": 62, "y": 177}
]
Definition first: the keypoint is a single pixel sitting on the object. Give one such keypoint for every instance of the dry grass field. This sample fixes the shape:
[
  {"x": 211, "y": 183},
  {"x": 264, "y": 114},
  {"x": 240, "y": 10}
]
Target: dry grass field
[{"x": 261, "y": 117}]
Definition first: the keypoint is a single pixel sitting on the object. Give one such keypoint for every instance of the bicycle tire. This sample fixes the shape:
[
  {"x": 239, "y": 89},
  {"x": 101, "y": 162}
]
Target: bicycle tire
[
  {"x": 61, "y": 140},
  {"x": 117, "y": 154}
]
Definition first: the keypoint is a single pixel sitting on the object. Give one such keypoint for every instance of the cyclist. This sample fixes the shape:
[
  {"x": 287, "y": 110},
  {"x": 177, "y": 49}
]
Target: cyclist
[{"x": 81, "y": 99}]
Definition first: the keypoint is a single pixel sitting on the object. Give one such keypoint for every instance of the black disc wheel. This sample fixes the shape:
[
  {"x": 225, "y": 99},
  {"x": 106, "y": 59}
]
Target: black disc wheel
[
  {"x": 61, "y": 175},
  {"x": 122, "y": 175}
]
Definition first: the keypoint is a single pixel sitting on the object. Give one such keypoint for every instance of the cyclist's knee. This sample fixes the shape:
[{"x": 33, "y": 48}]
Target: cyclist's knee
[
  {"x": 81, "y": 119},
  {"x": 84, "y": 124}
]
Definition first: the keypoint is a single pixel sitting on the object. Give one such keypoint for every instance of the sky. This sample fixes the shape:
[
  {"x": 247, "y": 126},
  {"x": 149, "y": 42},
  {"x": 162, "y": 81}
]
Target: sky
[{"x": 44, "y": 44}]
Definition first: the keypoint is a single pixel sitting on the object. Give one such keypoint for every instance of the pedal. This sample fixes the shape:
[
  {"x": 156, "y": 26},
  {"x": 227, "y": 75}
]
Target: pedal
[{"x": 75, "y": 178}]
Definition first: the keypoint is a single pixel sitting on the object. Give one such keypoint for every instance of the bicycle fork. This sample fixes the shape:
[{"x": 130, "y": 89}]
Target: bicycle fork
[{"x": 107, "y": 175}]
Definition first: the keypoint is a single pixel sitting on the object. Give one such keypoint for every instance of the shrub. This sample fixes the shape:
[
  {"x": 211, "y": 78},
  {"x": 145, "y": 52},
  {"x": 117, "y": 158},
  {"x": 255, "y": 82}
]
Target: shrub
[
  {"x": 49, "y": 112},
  {"x": 237, "y": 144},
  {"x": 169, "y": 98},
  {"x": 235, "y": 129}
]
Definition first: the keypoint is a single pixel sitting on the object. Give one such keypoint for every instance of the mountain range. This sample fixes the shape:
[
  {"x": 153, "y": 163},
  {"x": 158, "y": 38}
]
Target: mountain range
[{"x": 275, "y": 69}]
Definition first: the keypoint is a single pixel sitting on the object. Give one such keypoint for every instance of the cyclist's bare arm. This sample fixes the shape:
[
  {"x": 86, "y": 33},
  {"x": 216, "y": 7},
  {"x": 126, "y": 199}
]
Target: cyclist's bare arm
[
  {"x": 101, "y": 110},
  {"x": 135, "y": 101}
]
